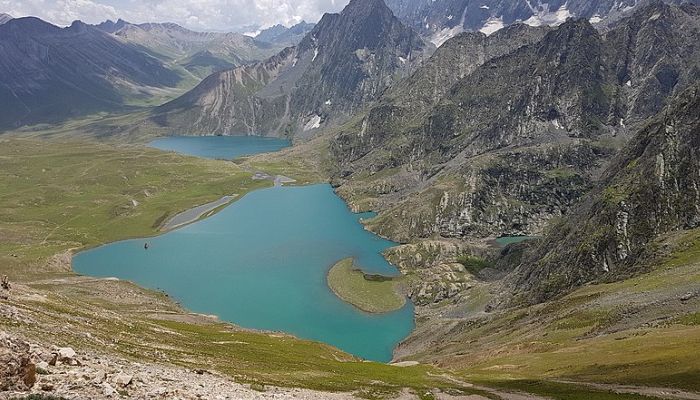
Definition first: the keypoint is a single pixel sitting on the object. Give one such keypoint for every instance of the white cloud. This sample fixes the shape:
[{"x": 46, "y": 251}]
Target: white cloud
[{"x": 194, "y": 14}]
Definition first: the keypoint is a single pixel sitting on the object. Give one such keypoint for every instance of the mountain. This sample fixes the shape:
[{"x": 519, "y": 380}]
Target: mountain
[
  {"x": 346, "y": 61},
  {"x": 201, "y": 53},
  {"x": 518, "y": 140},
  {"x": 4, "y": 18},
  {"x": 650, "y": 188},
  {"x": 50, "y": 74},
  {"x": 281, "y": 35},
  {"x": 442, "y": 19}
]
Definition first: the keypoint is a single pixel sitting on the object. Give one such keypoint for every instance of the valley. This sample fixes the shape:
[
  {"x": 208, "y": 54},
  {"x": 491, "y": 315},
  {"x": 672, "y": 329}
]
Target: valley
[{"x": 392, "y": 202}]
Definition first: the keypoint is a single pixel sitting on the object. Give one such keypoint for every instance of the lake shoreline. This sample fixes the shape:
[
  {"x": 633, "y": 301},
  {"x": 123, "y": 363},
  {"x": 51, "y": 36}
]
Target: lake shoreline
[{"x": 196, "y": 213}]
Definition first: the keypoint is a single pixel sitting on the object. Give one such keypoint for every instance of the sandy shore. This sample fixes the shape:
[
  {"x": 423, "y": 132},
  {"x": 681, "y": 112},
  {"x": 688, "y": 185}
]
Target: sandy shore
[{"x": 193, "y": 214}]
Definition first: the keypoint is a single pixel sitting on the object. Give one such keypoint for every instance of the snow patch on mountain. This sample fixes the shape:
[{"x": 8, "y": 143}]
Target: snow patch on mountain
[
  {"x": 543, "y": 16},
  {"x": 313, "y": 123},
  {"x": 492, "y": 25}
]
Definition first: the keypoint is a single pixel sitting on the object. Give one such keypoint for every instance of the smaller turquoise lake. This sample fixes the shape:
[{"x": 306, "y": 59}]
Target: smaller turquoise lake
[
  {"x": 219, "y": 147},
  {"x": 262, "y": 262}
]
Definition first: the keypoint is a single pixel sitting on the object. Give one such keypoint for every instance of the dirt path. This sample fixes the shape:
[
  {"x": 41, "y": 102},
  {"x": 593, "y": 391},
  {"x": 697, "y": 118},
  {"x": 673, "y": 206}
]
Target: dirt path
[
  {"x": 504, "y": 395},
  {"x": 663, "y": 393}
]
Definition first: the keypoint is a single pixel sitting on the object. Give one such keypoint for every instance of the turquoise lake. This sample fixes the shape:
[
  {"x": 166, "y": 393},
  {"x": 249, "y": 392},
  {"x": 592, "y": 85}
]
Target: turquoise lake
[
  {"x": 261, "y": 263},
  {"x": 219, "y": 147}
]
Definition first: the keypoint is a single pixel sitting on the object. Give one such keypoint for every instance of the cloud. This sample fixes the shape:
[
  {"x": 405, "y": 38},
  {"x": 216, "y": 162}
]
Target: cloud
[{"x": 194, "y": 14}]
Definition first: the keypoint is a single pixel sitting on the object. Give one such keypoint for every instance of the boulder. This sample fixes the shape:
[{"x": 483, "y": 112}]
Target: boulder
[
  {"x": 100, "y": 377},
  {"x": 108, "y": 390},
  {"x": 122, "y": 379},
  {"x": 17, "y": 371},
  {"x": 42, "y": 366},
  {"x": 65, "y": 354}
]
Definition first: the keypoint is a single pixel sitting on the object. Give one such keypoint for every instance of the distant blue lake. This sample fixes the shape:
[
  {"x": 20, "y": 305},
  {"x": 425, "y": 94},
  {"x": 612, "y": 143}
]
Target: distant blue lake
[
  {"x": 220, "y": 147},
  {"x": 261, "y": 263}
]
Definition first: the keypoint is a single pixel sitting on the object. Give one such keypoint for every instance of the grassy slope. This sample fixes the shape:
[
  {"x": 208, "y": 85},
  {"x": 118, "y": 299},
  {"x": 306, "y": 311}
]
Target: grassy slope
[
  {"x": 61, "y": 196},
  {"x": 375, "y": 296},
  {"x": 638, "y": 331},
  {"x": 57, "y": 196}
]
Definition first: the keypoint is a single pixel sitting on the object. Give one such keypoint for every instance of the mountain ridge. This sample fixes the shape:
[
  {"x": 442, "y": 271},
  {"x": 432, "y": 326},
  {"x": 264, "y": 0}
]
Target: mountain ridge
[
  {"x": 532, "y": 144},
  {"x": 346, "y": 60},
  {"x": 286, "y": 36},
  {"x": 77, "y": 70}
]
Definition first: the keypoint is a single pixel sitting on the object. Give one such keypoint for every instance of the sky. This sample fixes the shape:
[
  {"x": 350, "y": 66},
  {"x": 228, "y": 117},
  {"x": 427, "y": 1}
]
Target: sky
[{"x": 203, "y": 15}]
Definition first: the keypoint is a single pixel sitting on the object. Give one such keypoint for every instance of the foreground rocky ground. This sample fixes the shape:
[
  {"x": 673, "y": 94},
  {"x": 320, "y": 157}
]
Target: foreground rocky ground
[
  {"x": 33, "y": 371},
  {"x": 27, "y": 368}
]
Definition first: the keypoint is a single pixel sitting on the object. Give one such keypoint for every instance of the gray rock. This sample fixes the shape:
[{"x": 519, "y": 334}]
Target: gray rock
[
  {"x": 17, "y": 371},
  {"x": 65, "y": 354},
  {"x": 108, "y": 390},
  {"x": 122, "y": 379}
]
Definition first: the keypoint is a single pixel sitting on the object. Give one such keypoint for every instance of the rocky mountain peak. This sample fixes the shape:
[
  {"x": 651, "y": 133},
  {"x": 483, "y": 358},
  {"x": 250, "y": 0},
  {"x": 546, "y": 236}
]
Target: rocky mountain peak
[
  {"x": 4, "y": 18},
  {"x": 361, "y": 24},
  {"x": 366, "y": 7},
  {"x": 78, "y": 27},
  {"x": 347, "y": 60},
  {"x": 110, "y": 26},
  {"x": 29, "y": 25}
]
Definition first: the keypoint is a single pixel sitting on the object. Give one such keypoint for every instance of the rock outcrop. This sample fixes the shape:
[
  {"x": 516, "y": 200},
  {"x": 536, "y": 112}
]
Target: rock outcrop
[{"x": 17, "y": 370}]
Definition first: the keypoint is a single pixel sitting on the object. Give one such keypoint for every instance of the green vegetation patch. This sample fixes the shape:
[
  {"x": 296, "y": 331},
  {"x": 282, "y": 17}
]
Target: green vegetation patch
[
  {"x": 57, "y": 196},
  {"x": 368, "y": 292},
  {"x": 473, "y": 264}
]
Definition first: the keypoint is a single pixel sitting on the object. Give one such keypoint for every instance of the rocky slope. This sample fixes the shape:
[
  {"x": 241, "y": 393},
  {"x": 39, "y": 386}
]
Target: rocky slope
[
  {"x": 441, "y": 19},
  {"x": 650, "y": 188},
  {"x": 31, "y": 368},
  {"x": 51, "y": 73},
  {"x": 281, "y": 35},
  {"x": 619, "y": 273},
  {"x": 519, "y": 139},
  {"x": 346, "y": 61},
  {"x": 201, "y": 53}
]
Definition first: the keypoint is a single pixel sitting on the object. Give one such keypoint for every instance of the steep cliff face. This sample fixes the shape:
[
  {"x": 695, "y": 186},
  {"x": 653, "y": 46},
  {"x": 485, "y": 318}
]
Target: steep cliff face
[
  {"x": 652, "y": 56},
  {"x": 225, "y": 101},
  {"x": 650, "y": 188},
  {"x": 520, "y": 138},
  {"x": 50, "y": 73},
  {"x": 347, "y": 60}
]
